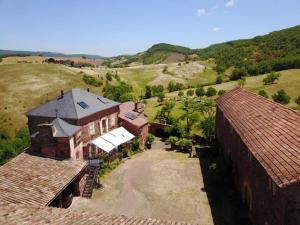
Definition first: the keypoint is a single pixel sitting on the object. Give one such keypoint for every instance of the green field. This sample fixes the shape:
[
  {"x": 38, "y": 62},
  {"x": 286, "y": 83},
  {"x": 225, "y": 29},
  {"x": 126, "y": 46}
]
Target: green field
[
  {"x": 289, "y": 81},
  {"x": 24, "y": 86}
]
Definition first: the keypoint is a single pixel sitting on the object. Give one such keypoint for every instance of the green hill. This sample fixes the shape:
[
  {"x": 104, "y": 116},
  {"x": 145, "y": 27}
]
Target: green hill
[{"x": 276, "y": 51}]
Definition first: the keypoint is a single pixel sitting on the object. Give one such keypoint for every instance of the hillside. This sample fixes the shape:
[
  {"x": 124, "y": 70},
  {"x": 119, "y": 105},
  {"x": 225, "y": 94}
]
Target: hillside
[{"x": 277, "y": 50}]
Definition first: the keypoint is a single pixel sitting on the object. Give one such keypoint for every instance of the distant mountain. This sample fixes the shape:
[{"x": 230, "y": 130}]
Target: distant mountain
[
  {"x": 275, "y": 51},
  {"x": 47, "y": 54}
]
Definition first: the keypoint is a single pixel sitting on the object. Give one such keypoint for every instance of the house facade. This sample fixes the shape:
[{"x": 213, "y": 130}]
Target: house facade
[
  {"x": 66, "y": 126},
  {"x": 260, "y": 140}
]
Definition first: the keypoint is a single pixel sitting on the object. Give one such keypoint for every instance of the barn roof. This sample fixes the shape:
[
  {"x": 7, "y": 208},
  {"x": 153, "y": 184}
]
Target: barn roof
[
  {"x": 35, "y": 180},
  {"x": 12, "y": 214},
  {"x": 74, "y": 104},
  {"x": 270, "y": 131}
]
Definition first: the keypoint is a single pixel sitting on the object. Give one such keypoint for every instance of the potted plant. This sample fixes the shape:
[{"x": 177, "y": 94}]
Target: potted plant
[
  {"x": 172, "y": 140},
  {"x": 185, "y": 144},
  {"x": 150, "y": 139}
]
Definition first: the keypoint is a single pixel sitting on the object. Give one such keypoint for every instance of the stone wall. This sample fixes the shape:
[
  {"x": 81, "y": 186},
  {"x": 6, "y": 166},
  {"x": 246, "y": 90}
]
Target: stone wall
[{"x": 266, "y": 201}]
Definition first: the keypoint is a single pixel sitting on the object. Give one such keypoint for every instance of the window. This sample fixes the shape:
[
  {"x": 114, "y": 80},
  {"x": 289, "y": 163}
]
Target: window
[
  {"x": 113, "y": 120},
  {"x": 77, "y": 138},
  {"x": 91, "y": 129}
]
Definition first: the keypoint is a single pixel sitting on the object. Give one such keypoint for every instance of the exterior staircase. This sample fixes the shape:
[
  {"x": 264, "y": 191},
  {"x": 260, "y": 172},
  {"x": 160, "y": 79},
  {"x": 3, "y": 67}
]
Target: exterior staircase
[{"x": 91, "y": 180}]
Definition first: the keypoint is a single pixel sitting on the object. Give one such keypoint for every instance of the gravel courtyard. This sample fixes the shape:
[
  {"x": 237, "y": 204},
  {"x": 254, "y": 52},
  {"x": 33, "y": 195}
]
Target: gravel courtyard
[{"x": 156, "y": 183}]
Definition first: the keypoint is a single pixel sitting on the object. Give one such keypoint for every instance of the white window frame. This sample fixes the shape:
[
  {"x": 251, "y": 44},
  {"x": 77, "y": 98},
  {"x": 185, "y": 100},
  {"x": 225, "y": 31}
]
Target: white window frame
[{"x": 92, "y": 128}]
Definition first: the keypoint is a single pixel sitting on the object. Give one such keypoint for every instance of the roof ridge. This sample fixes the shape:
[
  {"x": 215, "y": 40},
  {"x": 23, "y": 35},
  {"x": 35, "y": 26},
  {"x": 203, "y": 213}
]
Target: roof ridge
[{"x": 72, "y": 90}]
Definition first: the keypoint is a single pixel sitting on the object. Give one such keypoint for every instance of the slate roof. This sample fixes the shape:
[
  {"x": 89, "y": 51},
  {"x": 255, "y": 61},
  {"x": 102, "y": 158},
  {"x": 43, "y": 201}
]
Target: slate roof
[
  {"x": 64, "y": 129},
  {"x": 35, "y": 180},
  {"x": 270, "y": 131},
  {"x": 12, "y": 214},
  {"x": 67, "y": 106}
]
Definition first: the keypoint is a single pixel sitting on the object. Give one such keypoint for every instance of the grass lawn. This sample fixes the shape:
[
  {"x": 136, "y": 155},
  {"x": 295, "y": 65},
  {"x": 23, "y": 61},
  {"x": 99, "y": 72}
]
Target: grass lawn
[{"x": 25, "y": 86}]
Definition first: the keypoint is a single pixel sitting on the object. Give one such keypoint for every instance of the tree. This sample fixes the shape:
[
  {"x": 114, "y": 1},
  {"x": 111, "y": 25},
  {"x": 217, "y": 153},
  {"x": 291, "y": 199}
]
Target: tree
[
  {"x": 180, "y": 94},
  {"x": 219, "y": 80},
  {"x": 208, "y": 128},
  {"x": 271, "y": 78},
  {"x": 120, "y": 92},
  {"x": 297, "y": 100},
  {"x": 211, "y": 92},
  {"x": 281, "y": 97},
  {"x": 171, "y": 86},
  {"x": 148, "y": 92},
  {"x": 190, "y": 92},
  {"x": 221, "y": 92},
  {"x": 200, "y": 92},
  {"x": 242, "y": 82},
  {"x": 263, "y": 93},
  {"x": 165, "y": 70},
  {"x": 220, "y": 68},
  {"x": 165, "y": 112},
  {"x": 160, "y": 97},
  {"x": 156, "y": 89},
  {"x": 207, "y": 110},
  {"x": 238, "y": 73},
  {"x": 190, "y": 108},
  {"x": 109, "y": 76}
]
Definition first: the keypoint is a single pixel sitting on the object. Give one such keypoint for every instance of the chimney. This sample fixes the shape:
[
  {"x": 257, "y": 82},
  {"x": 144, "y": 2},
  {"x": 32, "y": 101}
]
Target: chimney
[
  {"x": 88, "y": 89},
  {"x": 138, "y": 107},
  {"x": 61, "y": 93}
]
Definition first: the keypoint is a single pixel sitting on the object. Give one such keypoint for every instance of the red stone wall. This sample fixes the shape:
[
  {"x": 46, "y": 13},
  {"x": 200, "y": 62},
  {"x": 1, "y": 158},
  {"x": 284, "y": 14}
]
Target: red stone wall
[{"x": 266, "y": 201}]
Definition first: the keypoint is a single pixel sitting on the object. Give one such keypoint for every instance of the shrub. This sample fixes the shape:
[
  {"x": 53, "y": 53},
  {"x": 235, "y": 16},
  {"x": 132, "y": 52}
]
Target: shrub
[
  {"x": 184, "y": 142},
  {"x": 180, "y": 94},
  {"x": 281, "y": 97},
  {"x": 271, "y": 78},
  {"x": 136, "y": 145},
  {"x": 90, "y": 80},
  {"x": 200, "y": 92},
  {"x": 297, "y": 100},
  {"x": 172, "y": 140},
  {"x": 219, "y": 80},
  {"x": 242, "y": 82},
  {"x": 148, "y": 93},
  {"x": 221, "y": 92},
  {"x": 263, "y": 93},
  {"x": 190, "y": 92},
  {"x": 160, "y": 97},
  {"x": 211, "y": 92},
  {"x": 238, "y": 73},
  {"x": 208, "y": 127},
  {"x": 150, "y": 138},
  {"x": 109, "y": 76}
]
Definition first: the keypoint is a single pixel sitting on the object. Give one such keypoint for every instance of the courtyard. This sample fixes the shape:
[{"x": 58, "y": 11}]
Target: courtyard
[{"x": 165, "y": 185}]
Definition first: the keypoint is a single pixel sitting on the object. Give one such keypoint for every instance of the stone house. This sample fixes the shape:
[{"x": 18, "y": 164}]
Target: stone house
[{"x": 260, "y": 140}]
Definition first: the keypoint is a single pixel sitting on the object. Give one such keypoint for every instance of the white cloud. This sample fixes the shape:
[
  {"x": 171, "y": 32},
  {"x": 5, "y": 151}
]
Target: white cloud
[
  {"x": 216, "y": 29},
  {"x": 230, "y": 3},
  {"x": 201, "y": 12}
]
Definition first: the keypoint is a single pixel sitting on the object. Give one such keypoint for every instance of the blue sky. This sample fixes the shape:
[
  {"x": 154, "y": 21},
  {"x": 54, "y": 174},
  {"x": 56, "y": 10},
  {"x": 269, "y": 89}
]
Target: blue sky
[{"x": 114, "y": 27}]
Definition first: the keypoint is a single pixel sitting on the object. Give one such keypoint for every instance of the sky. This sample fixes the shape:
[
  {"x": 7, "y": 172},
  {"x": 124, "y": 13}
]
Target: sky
[{"x": 115, "y": 27}]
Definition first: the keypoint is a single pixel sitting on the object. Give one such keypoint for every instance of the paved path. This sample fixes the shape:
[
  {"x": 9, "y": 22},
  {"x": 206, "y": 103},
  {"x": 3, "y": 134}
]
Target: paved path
[{"x": 156, "y": 183}]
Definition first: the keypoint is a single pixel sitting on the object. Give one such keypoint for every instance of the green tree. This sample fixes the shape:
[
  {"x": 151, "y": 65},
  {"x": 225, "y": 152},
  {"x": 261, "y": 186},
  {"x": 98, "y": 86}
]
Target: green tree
[
  {"x": 190, "y": 92},
  {"x": 208, "y": 128},
  {"x": 238, "y": 73},
  {"x": 281, "y": 97},
  {"x": 165, "y": 112},
  {"x": 148, "y": 92},
  {"x": 219, "y": 80},
  {"x": 120, "y": 92},
  {"x": 220, "y": 69},
  {"x": 109, "y": 76},
  {"x": 242, "y": 82},
  {"x": 297, "y": 100},
  {"x": 160, "y": 97},
  {"x": 271, "y": 78},
  {"x": 263, "y": 93},
  {"x": 190, "y": 115},
  {"x": 180, "y": 94},
  {"x": 200, "y": 92},
  {"x": 211, "y": 92},
  {"x": 221, "y": 92}
]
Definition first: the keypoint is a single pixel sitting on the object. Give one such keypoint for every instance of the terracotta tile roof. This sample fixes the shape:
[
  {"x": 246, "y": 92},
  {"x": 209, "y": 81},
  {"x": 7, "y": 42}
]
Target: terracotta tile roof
[
  {"x": 270, "y": 131},
  {"x": 35, "y": 180},
  {"x": 126, "y": 107},
  {"x": 12, "y": 214}
]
